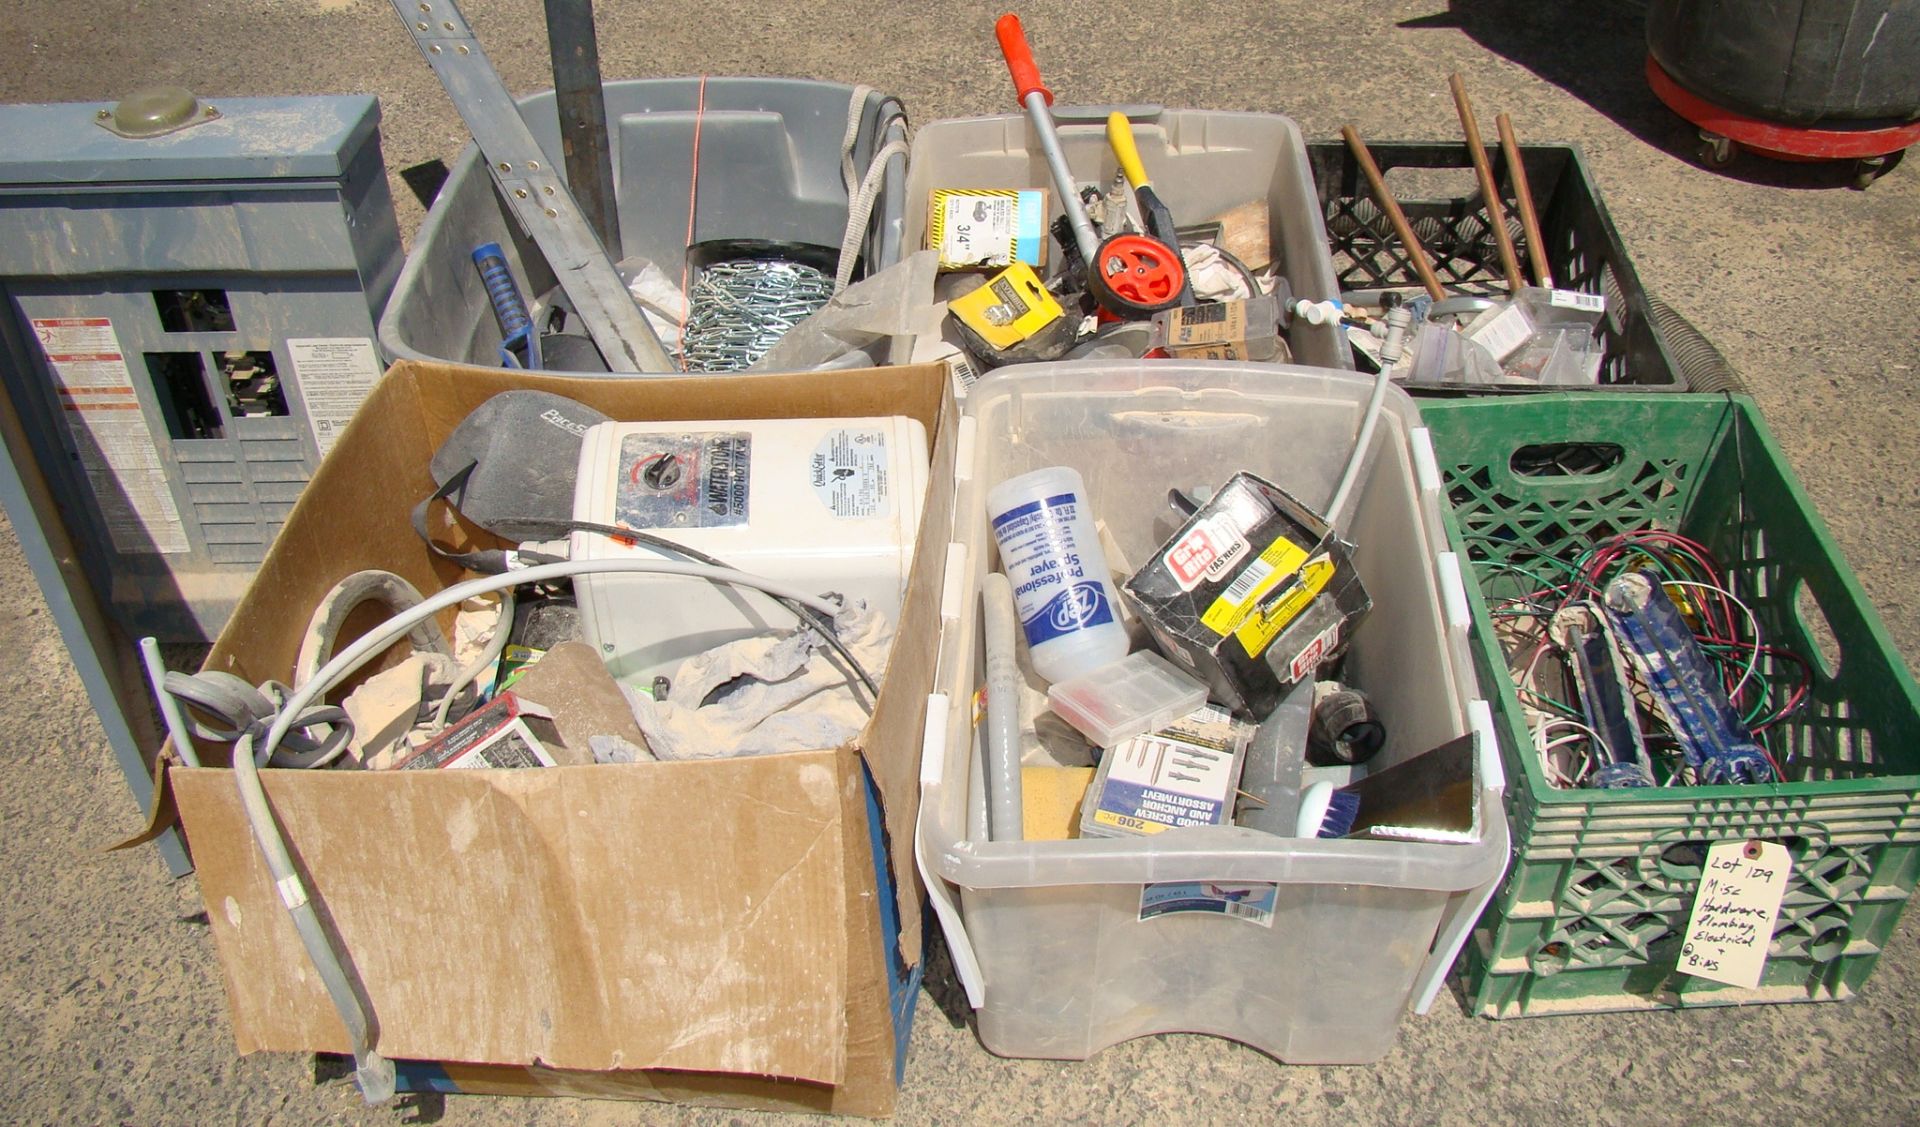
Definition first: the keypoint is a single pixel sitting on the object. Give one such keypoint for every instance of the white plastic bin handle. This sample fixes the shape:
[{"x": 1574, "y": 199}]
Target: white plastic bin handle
[
  {"x": 1140, "y": 113},
  {"x": 933, "y": 754}
]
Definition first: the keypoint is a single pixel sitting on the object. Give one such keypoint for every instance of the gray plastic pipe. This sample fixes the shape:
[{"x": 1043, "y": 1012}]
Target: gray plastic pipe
[
  {"x": 1337, "y": 506},
  {"x": 169, "y": 707},
  {"x": 1004, "y": 809},
  {"x": 373, "y": 1072}
]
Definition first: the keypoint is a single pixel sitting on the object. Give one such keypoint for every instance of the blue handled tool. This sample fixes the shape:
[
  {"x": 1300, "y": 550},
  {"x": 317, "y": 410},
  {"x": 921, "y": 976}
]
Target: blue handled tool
[
  {"x": 519, "y": 346},
  {"x": 1685, "y": 691}
]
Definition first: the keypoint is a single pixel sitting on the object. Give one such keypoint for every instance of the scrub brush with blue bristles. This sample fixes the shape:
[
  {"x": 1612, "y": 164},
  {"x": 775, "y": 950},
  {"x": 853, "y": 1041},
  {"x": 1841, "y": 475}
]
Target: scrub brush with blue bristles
[{"x": 1326, "y": 811}]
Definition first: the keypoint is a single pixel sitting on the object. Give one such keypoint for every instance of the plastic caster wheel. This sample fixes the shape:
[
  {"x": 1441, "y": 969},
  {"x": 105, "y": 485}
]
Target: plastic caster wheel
[
  {"x": 1717, "y": 151},
  {"x": 1867, "y": 170},
  {"x": 1136, "y": 277}
]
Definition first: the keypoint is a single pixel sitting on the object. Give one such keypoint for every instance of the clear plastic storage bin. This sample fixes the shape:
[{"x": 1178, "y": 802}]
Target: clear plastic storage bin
[{"x": 1047, "y": 935}]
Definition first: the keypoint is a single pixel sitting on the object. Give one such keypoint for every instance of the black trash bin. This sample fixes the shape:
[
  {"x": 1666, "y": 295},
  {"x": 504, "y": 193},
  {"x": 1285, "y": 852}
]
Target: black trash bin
[{"x": 1798, "y": 79}]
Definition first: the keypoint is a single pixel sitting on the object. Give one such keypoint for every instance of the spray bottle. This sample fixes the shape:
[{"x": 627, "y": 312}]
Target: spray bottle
[{"x": 1050, "y": 551}]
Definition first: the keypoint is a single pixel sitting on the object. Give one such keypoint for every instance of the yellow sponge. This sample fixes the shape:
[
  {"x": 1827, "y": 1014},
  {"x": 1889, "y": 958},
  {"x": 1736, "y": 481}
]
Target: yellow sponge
[{"x": 1050, "y": 801}]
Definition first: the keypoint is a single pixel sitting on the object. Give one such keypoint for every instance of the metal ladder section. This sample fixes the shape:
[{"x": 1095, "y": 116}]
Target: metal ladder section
[{"x": 535, "y": 192}]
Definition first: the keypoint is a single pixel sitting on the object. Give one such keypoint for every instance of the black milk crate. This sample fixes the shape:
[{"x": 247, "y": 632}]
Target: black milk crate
[{"x": 1444, "y": 204}]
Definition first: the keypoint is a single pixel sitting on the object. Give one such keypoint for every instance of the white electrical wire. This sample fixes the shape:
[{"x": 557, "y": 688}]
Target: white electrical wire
[
  {"x": 496, "y": 644},
  {"x": 390, "y": 631},
  {"x": 1542, "y": 745}
]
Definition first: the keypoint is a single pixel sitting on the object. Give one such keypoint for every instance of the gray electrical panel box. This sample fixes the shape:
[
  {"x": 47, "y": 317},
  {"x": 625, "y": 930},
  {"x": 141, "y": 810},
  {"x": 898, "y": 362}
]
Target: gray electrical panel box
[{"x": 191, "y": 289}]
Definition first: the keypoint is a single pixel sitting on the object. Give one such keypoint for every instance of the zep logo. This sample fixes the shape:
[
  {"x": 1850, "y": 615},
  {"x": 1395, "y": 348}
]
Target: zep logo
[
  {"x": 1078, "y": 607},
  {"x": 1077, "y": 604}
]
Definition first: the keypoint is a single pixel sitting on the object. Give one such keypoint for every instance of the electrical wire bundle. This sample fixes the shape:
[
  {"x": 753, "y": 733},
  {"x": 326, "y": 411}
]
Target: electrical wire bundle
[{"x": 1766, "y": 683}]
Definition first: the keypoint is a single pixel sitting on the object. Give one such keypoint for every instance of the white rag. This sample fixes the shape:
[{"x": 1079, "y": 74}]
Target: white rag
[{"x": 785, "y": 692}]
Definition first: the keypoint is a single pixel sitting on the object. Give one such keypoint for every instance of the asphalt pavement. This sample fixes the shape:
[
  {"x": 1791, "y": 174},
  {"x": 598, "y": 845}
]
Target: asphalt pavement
[{"x": 113, "y": 1010}]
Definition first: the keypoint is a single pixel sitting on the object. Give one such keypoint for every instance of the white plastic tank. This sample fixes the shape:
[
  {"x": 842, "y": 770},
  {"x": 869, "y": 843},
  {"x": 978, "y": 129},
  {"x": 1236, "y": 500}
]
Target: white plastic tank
[{"x": 829, "y": 505}]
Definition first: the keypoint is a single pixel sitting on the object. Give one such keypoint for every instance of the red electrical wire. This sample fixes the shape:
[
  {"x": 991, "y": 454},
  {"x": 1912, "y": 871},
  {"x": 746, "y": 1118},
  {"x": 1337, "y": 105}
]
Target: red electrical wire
[{"x": 693, "y": 198}]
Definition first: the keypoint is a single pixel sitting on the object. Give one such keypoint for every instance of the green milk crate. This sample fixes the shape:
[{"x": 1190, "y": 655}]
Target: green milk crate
[{"x": 1603, "y": 881}]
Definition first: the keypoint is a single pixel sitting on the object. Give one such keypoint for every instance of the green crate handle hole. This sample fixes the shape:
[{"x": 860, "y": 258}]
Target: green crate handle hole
[
  {"x": 1821, "y": 643},
  {"x": 1565, "y": 459},
  {"x": 1684, "y": 861},
  {"x": 1550, "y": 958}
]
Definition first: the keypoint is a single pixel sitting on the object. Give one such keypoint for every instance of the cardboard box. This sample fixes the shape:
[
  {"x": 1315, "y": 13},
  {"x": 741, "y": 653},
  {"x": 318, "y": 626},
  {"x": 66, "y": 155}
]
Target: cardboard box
[
  {"x": 1221, "y": 330},
  {"x": 1252, "y": 594},
  {"x": 735, "y": 932}
]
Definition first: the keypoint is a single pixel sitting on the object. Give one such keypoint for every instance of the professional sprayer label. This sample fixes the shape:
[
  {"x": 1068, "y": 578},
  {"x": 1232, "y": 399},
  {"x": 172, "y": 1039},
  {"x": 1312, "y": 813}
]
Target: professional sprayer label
[
  {"x": 848, "y": 472},
  {"x": 1044, "y": 564},
  {"x": 688, "y": 480}
]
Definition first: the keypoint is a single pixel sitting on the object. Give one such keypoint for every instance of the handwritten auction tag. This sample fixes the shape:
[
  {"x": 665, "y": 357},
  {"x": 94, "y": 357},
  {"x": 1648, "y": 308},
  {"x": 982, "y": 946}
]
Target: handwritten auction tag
[{"x": 1734, "y": 913}]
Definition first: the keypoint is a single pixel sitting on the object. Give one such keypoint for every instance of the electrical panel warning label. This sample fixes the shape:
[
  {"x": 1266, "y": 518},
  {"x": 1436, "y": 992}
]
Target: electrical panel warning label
[
  {"x": 335, "y": 375},
  {"x": 110, "y": 434},
  {"x": 849, "y": 473},
  {"x": 689, "y": 480}
]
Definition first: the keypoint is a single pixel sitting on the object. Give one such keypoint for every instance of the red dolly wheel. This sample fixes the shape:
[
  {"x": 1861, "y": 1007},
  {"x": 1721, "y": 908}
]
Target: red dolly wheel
[{"x": 1135, "y": 276}]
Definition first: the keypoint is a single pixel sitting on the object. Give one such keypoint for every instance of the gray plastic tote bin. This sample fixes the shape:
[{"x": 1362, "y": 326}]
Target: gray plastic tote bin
[{"x": 768, "y": 169}]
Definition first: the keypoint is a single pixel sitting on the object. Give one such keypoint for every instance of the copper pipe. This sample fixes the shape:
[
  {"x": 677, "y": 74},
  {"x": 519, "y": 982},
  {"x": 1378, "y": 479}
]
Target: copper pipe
[
  {"x": 1415, "y": 252},
  {"x": 1483, "y": 168},
  {"x": 1523, "y": 196}
]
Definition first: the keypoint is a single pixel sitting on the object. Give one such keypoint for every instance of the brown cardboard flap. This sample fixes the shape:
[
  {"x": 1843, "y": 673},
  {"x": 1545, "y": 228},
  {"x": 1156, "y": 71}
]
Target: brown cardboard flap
[{"x": 683, "y": 916}]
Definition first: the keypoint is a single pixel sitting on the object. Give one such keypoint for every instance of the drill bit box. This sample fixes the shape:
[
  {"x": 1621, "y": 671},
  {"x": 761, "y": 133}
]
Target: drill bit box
[{"x": 1252, "y": 594}]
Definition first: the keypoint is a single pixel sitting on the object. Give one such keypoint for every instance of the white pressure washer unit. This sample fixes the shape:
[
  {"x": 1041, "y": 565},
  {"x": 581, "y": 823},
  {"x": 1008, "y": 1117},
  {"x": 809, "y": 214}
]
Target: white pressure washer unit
[{"x": 823, "y": 504}]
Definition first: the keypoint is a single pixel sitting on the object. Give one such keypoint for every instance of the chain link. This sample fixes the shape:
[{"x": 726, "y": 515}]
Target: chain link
[{"x": 739, "y": 310}]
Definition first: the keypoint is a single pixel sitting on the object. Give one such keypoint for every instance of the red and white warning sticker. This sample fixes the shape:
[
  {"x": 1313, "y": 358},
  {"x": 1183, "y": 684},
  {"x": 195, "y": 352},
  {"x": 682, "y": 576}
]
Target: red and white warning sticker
[
  {"x": 1208, "y": 551},
  {"x": 1313, "y": 653},
  {"x": 110, "y": 434}
]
